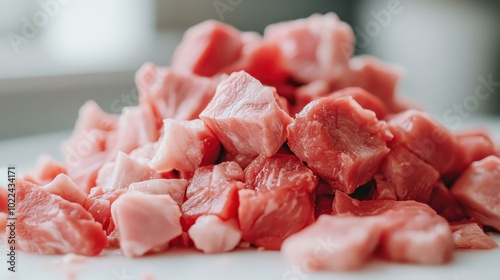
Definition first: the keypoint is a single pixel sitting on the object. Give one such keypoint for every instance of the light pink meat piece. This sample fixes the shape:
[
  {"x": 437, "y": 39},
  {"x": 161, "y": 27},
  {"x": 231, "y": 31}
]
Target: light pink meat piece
[
  {"x": 207, "y": 48},
  {"x": 85, "y": 173},
  {"x": 212, "y": 235},
  {"x": 213, "y": 191},
  {"x": 176, "y": 188},
  {"x": 145, "y": 153},
  {"x": 123, "y": 172},
  {"x": 477, "y": 189},
  {"x": 334, "y": 243},
  {"x": 65, "y": 188},
  {"x": 136, "y": 127},
  {"x": 366, "y": 99},
  {"x": 443, "y": 202},
  {"x": 279, "y": 201},
  {"x": 48, "y": 224},
  {"x": 318, "y": 47},
  {"x": 475, "y": 145},
  {"x": 185, "y": 146},
  {"x": 171, "y": 94},
  {"x": 245, "y": 116},
  {"x": 423, "y": 136},
  {"x": 469, "y": 235},
  {"x": 145, "y": 222},
  {"x": 404, "y": 176},
  {"x": 45, "y": 170},
  {"x": 340, "y": 141},
  {"x": 375, "y": 76},
  {"x": 99, "y": 203}
]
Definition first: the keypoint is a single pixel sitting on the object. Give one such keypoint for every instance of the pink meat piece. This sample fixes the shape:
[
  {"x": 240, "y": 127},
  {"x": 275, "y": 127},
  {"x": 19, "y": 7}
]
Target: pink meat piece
[
  {"x": 404, "y": 176},
  {"x": 213, "y": 191},
  {"x": 340, "y": 141},
  {"x": 207, "y": 48},
  {"x": 212, "y": 235},
  {"x": 145, "y": 153},
  {"x": 279, "y": 201},
  {"x": 242, "y": 160},
  {"x": 176, "y": 188},
  {"x": 45, "y": 170},
  {"x": 245, "y": 116},
  {"x": 318, "y": 47},
  {"x": 309, "y": 92},
  {"x": 85, "y": 173},
  {"x": 145, "y": 222},
  {"x": 336, "y": 243},
  {"x": 443, "y": 202},
  {"x": 171, "y": 94},
  {"x": 48, "y": 224},
  {"x": 475, "y": 145},
  {"x": 123, "y": 172},
  {"x": 365, "y": 99},
  {"x": 412, "y": 231},
  {"x": 422, "y": 135},
  {"x": 469, "y": 235},
  {"x": 99, "y": 203},
  {"x": 64, "y": 187},
  {"x": 136, "y": 127},
  {"x": 477, "y": 189},
  {"x": 375, "y": 76},
  {"x": 185, "y": 146}
]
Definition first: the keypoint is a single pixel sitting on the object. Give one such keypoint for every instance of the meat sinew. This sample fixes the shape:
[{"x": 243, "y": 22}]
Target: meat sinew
[{"x": 340, "y": 141}]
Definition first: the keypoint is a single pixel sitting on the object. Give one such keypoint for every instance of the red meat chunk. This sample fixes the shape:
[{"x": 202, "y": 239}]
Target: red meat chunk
[
  {"x": 340, "y": 141},
  {"x": 469, "y": 235},
  {"x": 48, "y": 224},
  {"x": 443, "y": 202},
  {"x": 245, "y": 116}
]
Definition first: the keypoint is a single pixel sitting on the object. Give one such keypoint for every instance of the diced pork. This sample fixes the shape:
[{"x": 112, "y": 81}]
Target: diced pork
[
  {"x": 211, "y": 234},
  {"x": 213, "y": 191},
  {"x": 366, "y": 99},
  {"x": 65, "y": 188},
  {"x": 340, "y": 141},
  {"x": 245, "y": 116},
  {"x": 124, "y": 171},
  {"x": 477, "y": 189},
  {"x": 185, "y": 146},
  {"x": 423, "y": 136},
  {"x": 145, "y": 222},
  {"x": 145, "y": 153},
  {"x": 279, "y": 201},
  {"x": 171, "y": 94},
  {"x": 469, "y": 235},
  {"x": 48, "y": 224},
  {"x": 45, "y": 170},
  {"x": 176, "y": 188},
  {"x": 404, "y": 176},
  {"x": 318, "y": 47},
  {"x": 99, "y": 203}
]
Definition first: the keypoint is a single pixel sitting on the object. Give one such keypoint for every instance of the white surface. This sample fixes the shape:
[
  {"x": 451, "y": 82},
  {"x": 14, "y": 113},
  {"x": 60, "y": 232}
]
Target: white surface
[{"x": 241, "y": 264}]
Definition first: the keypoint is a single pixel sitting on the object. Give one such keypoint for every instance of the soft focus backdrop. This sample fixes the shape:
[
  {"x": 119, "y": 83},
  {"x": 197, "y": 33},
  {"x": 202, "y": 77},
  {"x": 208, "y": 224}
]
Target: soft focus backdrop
[{"x": 55, "y": 54}]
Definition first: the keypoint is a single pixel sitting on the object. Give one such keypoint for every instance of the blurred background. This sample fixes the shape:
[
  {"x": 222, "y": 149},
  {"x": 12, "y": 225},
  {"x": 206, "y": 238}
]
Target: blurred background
[{"x": 56, "y": 54}]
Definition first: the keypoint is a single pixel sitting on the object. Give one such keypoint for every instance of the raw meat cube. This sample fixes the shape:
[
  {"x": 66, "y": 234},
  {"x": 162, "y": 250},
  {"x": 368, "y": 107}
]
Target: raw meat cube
[
  {"x": 404, "y": 176},
  {"x": 99, "y": 203},
  {"x": 211, "y": 234},
  {"x": 207, "y": 48},
  {"x": 245, "y": 116},
  {"x": 48, "y": 224},
  {"x": 185, "y": 146},
  {"x": 469, "y": 235},
  {"x": 366, "y": 99},
  {"x": 213, "y": 191},
  {"x": 423, "y": 136},
  {"x": 123, "y": 172},
  {"x": 477, "y": 189},
  {"x": 340, "y": 141},
  {"x": 318, "y": 47},
  {"x": 309, "y": 92},
  {"x": 145, "y": 153},
  {"x": 45, "y": 170},
  {"x": 145, "y": 222},
  {"x": 171, "y": 94},
  {"x": 176, "y": 188},
  {"x": 443, "y": 202},
  {"x": 64, "y": 187},
  {"x": 279, "y": 202},
  {"x": 334, "y": 243}
]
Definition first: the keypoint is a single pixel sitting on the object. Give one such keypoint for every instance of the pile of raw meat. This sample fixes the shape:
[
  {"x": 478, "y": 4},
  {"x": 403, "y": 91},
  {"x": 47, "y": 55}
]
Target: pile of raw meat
[{"x": 283, "y": 142}]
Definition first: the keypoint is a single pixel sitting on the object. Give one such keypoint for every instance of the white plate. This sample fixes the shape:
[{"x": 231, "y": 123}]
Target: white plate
[{"x": 241, "y": 264}]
